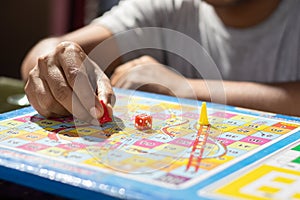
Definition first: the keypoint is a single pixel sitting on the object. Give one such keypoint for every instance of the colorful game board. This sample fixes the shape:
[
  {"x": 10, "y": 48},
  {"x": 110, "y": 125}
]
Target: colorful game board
[
  {"x": 118, "y": 160},
  {"x": 277, "y": 177}
]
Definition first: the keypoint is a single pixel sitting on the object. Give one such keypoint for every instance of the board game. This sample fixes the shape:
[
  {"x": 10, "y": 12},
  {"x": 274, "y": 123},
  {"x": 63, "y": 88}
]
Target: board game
[{"x": 246, "y": 155}]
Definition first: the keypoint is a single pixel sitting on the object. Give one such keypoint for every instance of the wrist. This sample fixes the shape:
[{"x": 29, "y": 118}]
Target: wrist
[{"x": 200, "y": 90}]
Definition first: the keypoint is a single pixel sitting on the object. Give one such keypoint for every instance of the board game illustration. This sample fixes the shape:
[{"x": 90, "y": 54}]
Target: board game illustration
[
  {"x": 277, "y": 177},
  {"x": 159, "y": 162}
]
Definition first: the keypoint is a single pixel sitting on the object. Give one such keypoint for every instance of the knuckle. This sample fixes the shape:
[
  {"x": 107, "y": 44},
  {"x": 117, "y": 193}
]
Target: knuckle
[
  {"x": 30, "y": 82},
  {"x": 66, "y": 46},
  {"x": 32, "y": 74},
  {"x": 146, "y": 59}
]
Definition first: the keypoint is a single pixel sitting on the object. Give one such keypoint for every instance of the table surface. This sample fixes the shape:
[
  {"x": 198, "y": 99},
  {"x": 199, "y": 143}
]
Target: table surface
[{"x": 8, "y": 87}]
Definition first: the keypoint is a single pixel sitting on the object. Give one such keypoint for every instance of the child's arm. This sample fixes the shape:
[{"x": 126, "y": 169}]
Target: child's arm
[
  {"x": 147, "y": 74},
  {"x": 277, "y": 97}
]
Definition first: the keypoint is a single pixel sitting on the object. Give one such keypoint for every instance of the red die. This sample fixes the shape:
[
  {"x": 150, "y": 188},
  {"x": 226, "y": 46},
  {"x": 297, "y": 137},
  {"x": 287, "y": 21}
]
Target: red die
[{"x": 143, "y": 122}]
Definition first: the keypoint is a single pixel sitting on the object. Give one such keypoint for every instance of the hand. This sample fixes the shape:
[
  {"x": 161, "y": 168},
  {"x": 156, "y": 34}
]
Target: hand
[
  {"x": 67, "y": 82},
  {"x": 146, "y": 74}
]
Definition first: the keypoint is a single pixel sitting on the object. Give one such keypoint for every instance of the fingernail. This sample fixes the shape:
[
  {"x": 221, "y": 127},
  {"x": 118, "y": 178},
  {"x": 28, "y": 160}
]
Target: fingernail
[{"x": 95, "y": 113}]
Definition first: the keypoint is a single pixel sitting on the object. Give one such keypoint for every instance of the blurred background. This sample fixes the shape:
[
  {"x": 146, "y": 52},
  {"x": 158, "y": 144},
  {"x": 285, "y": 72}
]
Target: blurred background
[{"x": 24, "y": 23}]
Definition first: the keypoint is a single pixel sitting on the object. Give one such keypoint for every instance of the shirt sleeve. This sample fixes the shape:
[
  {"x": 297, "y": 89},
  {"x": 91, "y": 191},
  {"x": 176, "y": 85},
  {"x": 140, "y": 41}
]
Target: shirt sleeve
[
  {"x": 130, "y": 14},
  {"x": 134, "y": 15},
  {"x": 141, "y": 28}
]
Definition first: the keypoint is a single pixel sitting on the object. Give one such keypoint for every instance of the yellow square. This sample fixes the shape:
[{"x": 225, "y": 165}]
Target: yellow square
[
  {"x": 170, "y": 148},
  {"x": 258, "y": 127},
  {"x": 12, "y": 133},
  {"x": 269, "y": 189},
  {"x": 236, "y": 187},
  {"x": 94, "y": 162},
  {"x": 171, "y": 106},
  {"x": 68, "y": 135},
  {"x": 215, "y": 120},
  {"x": 53, "y": 151},
  {"x": 243, "y": 118},
  {"x": 220, "y": 160},
  {"x": 244, "y": 130},
  {"x": 206, "y": 165},
  {"x": 277, "y": 130},
  {"x": 138, "y": 161},
  {"x": 11, "y": 123},
  {"x": 167, "y": 164},
  {"x": 284, "y": 180},
  {"x": 223, "y": 127},
  {"x": 243, "y": 145},
  {"x": 85, "y": 131},
  {"x": 31, "y": 136},
  {"x": 44, "y": 131},
  {"x": 296, "y": 196},
  {"x": 181, "y": 161},
  {"x": 47, "y": 123}
]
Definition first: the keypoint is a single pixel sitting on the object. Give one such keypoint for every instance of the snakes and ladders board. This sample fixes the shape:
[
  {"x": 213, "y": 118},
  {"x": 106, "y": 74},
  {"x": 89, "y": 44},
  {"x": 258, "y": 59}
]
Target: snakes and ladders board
[{"x": 246, "y": 155}]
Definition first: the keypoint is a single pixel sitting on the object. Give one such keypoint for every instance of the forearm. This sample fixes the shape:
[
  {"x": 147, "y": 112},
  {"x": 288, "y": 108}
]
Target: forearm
[
  {"x": 87, "y": 37},
  {"x": 279, "y": 98}
]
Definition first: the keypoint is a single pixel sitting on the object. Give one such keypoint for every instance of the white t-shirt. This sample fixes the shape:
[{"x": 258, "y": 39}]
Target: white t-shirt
[{"x": 267, "y": 52}]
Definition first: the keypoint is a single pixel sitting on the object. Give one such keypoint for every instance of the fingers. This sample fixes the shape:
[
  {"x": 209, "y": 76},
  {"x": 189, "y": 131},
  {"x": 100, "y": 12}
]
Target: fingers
[
  {"x": 67, "y": 81},
  {"x": 59, "y": 90},
  {"x": 101, "y": 84},
  {"x": 71, "y": 59},
  {"x": 40, "y": 97},
  {"x": 122, "y": 70}
]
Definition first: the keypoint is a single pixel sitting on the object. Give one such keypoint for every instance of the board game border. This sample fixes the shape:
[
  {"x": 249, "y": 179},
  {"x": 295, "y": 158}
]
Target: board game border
[{"x": 47, "y": 185}]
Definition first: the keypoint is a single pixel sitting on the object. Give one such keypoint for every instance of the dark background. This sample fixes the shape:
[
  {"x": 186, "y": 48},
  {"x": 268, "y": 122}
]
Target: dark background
[{"x": 24, "y": 23}]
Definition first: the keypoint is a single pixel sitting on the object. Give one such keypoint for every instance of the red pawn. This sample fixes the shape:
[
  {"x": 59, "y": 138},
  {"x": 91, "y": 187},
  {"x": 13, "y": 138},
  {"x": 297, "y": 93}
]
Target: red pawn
[
  {"x": 105, "y": 118},
  {"x": 143, "y": 122}
]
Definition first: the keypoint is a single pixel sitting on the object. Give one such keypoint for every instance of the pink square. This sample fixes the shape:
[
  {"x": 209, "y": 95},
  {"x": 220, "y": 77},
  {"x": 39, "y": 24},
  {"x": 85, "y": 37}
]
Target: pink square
[
  {"x": 146, "y": 143},
  {"x": 23, "y": 119},
  {"x": 255, "y": 140},
  {"x": 33, "y": 146},
  {"x": 225, "y": 141},
  {"x": 182, "y": 142},
  {"x": 223, "y": 115}
]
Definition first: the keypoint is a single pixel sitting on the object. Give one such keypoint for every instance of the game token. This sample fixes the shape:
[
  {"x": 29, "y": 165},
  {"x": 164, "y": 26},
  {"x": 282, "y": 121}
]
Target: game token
[
  {"x": 203, "y": 115},
  {"x": 105, "y": 118}
]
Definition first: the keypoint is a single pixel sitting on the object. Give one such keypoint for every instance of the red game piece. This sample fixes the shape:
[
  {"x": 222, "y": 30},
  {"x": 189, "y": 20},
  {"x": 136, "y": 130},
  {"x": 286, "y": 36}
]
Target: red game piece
[
  {"x": 143, "y": 121},
  {"x": 105, "y": 118}
]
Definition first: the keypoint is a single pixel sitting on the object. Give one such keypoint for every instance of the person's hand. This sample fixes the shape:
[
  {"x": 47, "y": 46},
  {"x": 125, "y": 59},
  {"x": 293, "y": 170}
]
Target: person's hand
[
  {"x": 67, "y": 82},
  {"x": 147, "y": 74}
]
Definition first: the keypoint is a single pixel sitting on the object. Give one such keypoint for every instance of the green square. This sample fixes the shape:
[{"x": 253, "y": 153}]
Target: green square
[{"x": 296, "y": 148}]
